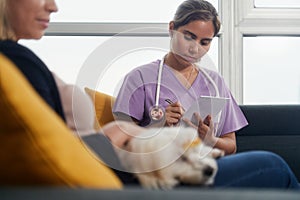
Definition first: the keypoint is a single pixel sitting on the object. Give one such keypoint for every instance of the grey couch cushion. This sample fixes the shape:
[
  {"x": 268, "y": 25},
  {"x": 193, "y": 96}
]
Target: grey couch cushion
[
  {"x": 271, "y": 120},
  {"x": 273, "y": 128}
]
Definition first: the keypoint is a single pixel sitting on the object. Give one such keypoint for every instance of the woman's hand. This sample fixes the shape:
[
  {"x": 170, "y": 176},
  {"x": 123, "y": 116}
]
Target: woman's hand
[
  {"x": 174, "y": 112},
  {"x": 206, "y": 132},
  {"x": 205, "y": 129}
]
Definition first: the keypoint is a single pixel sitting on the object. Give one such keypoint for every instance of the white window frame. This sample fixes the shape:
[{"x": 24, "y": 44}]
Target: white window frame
[
  {"x": 105, "y": 29},
  {"x": 241, "y": 18}
]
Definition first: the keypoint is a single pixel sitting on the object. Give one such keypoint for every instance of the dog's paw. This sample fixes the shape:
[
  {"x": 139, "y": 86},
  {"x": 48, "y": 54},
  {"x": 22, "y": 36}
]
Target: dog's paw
[{"x": 217, "y": 153}]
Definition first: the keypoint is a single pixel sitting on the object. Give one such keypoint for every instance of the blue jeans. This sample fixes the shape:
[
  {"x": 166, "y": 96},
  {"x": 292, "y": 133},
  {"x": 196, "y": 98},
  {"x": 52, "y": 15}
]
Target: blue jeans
[{"x": 255, "y": 169}]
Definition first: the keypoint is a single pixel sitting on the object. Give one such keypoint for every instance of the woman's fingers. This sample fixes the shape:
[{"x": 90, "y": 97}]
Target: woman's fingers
[
  {"x": 174, "y": 113},
  {"x": 207, "y": 120},
  {"x": 189, "y": 123}
]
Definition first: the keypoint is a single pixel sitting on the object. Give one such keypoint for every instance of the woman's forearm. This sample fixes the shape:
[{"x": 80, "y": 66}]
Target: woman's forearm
[{"x": 227, "y": 143}]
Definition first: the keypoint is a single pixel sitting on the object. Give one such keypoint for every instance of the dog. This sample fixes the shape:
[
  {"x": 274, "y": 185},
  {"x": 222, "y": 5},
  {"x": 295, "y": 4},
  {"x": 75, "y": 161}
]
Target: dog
[{"x": 162, "y": 158}]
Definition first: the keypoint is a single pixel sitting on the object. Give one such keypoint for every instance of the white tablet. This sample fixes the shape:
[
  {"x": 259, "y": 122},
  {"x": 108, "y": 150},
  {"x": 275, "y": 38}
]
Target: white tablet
[{"x": 206, "y": 105}]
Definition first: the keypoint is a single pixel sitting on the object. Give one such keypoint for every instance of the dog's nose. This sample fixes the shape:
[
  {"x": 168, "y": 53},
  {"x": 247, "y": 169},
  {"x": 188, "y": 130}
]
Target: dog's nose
[{"x": 208, "y": 171}]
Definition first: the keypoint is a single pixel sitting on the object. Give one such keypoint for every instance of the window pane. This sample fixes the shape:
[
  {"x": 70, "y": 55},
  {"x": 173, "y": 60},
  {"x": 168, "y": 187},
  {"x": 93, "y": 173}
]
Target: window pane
[
  {"x": 156, "y": 11},
  {"x": 101, "y": 62},
  {"x": 277, "y": 3},
  {"x": 62, "y": 54},
  {"x": 271, "y": 70}
]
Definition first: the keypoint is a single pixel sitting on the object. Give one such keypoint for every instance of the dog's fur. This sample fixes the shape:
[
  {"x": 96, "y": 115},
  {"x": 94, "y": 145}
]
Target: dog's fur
[{"x": 163, "y": 158}]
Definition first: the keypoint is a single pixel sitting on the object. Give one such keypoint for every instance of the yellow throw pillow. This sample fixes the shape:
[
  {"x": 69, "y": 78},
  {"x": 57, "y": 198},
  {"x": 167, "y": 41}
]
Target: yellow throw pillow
[
  {"x": 36, "y": 146},
  {"x": 103, "y": 104}
]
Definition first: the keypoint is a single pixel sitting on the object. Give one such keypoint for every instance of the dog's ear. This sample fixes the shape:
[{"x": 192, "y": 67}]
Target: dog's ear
[
  {"x": 217, "y": 153},
  {"x": 189, "y": 144}
]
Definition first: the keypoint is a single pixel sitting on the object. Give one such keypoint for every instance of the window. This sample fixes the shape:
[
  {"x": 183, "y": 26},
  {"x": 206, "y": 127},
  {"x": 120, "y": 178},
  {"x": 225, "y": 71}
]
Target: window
[
  {"x": 102, "y": 62},
  {"x": 248, "y": 27},
  {"x": 271, "y": 70},
  {"x": 115, "y": 11},
  {"x": 277, "y": 3},
  {"x": 81, "y": 28},
  {"x": 261, "y": 67},
  {"x": 131, "y": 11}
]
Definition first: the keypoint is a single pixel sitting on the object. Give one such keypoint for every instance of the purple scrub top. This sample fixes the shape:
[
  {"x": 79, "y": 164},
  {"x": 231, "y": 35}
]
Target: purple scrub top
[{"x": 138, "y": 91}]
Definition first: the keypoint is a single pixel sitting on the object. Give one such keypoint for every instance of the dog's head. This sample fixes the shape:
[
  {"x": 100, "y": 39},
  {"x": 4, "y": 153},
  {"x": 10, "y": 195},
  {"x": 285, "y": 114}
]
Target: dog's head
[
  {"x": 197, "y": 164},
  {"x": 162, "y": 158}
]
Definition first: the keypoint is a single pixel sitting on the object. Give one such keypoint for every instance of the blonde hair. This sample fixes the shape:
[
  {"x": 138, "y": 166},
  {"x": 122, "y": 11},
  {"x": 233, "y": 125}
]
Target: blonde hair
[{"x": 6, "y": 31}]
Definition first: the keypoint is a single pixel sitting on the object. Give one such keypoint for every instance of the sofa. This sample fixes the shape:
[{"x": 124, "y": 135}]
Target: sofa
[
  {"x": 41, "y": 159},
  {"x": 273, "y": 128}
]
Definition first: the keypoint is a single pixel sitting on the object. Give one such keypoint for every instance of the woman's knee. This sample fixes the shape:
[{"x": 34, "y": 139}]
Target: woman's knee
[
  {"x": 268, "y": 158},
  {"x": 255, "y": 169}
]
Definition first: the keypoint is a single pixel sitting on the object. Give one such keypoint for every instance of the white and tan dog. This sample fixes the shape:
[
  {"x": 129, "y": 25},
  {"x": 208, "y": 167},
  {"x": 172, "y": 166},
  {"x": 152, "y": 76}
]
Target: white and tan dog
[{"x": 162, "y": 158}]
